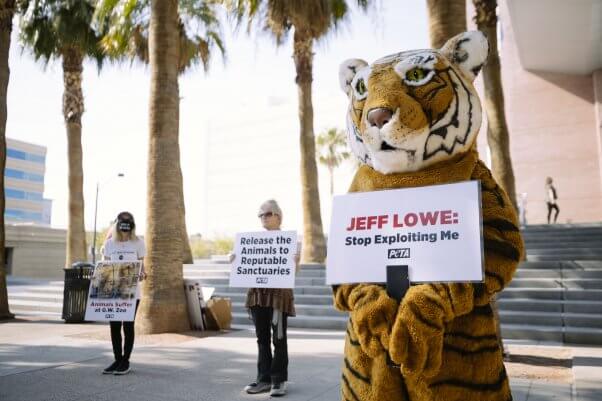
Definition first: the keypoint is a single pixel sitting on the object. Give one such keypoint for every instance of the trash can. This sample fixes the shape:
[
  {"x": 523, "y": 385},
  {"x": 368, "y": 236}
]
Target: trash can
[{"x": 75, "y": 293}]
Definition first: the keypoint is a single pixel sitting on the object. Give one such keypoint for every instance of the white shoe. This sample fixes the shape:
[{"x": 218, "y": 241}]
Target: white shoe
[
  {"x": 256, "y": 388},
  {"x": 278, "y": 389}
]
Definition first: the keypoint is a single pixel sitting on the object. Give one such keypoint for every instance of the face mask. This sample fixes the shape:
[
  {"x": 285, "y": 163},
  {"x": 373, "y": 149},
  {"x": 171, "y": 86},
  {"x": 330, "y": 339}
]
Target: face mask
[{"x": 125, "y": 225}]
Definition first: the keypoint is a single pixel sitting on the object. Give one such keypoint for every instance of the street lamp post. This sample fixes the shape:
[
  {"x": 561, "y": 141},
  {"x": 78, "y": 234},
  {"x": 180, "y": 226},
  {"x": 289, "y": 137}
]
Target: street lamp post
[{"x": 95, "y": 215}]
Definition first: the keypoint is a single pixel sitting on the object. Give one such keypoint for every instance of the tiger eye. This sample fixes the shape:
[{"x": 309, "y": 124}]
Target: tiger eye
[
  {"x": 415, "y": 74},
  {"x": 360, "y": 87}
]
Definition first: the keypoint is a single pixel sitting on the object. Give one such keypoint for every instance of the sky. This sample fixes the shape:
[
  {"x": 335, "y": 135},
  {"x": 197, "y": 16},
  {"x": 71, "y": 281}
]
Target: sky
[{"x": 238, "y": 123}]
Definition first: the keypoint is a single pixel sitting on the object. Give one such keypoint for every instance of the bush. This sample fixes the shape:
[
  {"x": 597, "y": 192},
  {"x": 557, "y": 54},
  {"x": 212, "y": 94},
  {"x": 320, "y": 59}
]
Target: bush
[{"x": 203, "y": 248}]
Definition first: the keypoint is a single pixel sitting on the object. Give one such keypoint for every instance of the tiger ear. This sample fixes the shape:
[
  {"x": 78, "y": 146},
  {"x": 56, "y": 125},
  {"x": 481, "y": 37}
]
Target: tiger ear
[
  {"x": 468, "y": 51},
  {"x": 347, "y": 71}
]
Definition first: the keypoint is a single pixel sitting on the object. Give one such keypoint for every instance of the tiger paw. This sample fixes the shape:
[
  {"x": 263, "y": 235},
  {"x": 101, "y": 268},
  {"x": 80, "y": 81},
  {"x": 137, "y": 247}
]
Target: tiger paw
[
  {"x": 372, "y": 318},
  {"x": 416, "y": 341}
]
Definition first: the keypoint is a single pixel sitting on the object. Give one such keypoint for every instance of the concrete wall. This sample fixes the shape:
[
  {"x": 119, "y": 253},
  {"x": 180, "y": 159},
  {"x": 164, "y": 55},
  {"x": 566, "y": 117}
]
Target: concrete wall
[
  {"x": 554, "y": 132},
  {"x": 36, "y": 251}
]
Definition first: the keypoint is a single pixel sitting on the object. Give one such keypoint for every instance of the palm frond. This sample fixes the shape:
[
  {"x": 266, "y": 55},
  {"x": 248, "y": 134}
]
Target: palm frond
[
  {"x": 316, "y": 17},
  {"x": 129, "y": 21},
  {"x": 50, "y": 27},
  {"x": 332, "y": 147}
]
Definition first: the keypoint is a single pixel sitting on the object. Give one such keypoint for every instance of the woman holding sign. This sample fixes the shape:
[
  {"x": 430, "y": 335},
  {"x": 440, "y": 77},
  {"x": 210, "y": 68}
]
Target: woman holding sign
[
  {"x": 269, "y": 308},
  {"x": 123, "y": 245}
]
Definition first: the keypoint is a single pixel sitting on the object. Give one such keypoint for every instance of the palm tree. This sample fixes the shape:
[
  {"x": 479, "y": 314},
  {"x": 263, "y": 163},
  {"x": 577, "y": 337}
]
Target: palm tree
[
  {"x": 498, "y": 137},
  {"x": 61, "y": 29},
  {"x": 7, "y": 10},
  {"x": 163, "y": 309},
  {"x": 128, "y": 35},
  {"x": 311, "y": 20},
  {"x": 447, "y": 18},
  {"x": 163, "y": 39},
  {"x": 332, "y": 151}
]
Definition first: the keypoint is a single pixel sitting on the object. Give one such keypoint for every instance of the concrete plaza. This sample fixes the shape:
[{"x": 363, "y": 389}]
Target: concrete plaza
[{"x": 43, "y": 359}]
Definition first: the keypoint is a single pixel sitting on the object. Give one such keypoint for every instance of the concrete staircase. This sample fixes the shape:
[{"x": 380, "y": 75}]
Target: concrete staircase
[
  {"x": 29, "y": 297},
  {"x": 556, "y": 295},
  {"x": 563, "y": 242}
]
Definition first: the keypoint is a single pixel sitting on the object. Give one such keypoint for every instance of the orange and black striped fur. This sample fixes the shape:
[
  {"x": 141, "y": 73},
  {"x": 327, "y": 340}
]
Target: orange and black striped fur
[{"x": 442, "y": 335}]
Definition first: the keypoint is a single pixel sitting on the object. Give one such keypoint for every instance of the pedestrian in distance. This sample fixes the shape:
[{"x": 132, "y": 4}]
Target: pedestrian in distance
[
  {"x": 123, "y": 246},
  {"x": 551, "y": 199}
]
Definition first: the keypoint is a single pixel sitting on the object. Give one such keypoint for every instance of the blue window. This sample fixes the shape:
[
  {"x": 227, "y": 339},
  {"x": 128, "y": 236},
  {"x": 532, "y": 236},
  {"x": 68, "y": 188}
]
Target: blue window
[
  {"x": 18, "y": 194},
  {"x": 35, "y": 196},
  {"x": 22, "y": 175},
  {"x": 19, "y": 154},
  {"x": 34, "y": 177},
  {"x": 10, "y": 173},
  {"x": 22, "y": 215},
  {"x": 14, "y": 193}
]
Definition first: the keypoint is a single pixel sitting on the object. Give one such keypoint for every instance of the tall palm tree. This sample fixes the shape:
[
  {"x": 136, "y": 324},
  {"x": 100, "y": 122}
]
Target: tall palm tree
[
  {"x": 128, "y": 35},
  {"x": 7, "y": 10},
  {"x": 498, "y": 137},
  {"x": 163, "y": 309},
  {"x": 332, "y": 151},
  {"x": 311, "y": 20},
  {"x": 61, "y": 29},
  {"x": 163, "y": 39},
  {"x": 447, "y": 18}
]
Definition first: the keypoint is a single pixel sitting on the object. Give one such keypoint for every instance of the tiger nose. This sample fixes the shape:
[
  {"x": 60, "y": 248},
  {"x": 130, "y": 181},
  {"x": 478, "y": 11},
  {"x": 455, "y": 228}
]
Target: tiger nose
[{"x": 379, "y": 117}]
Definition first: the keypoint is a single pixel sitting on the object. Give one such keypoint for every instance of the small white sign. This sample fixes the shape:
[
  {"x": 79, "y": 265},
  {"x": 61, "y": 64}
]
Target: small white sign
[
  {"x": 264, "y": 259},
  {"x": 112, "y": 293},
  {"x": 436, "y": 231}
]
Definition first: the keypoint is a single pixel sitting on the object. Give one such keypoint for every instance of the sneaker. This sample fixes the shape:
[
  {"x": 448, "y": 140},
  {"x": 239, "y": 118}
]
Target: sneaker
[
  {"x": 111, "y": 368},
  {"x": 278, "y": 389},
  {"x": 123, "y": 368},
  {"x": 256, "y": 388}
]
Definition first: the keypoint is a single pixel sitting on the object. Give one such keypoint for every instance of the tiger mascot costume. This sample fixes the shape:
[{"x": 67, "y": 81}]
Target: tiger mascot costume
[{"x": 412, "y": 121}]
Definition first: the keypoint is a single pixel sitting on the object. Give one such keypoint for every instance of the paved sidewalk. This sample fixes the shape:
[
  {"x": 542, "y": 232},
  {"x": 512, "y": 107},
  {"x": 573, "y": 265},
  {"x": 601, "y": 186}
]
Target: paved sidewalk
[{"x": 49, "y": 360}]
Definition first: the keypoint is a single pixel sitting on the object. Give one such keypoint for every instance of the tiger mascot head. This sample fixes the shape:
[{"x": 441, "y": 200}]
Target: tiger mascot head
[{"x": 413, "y": 109}]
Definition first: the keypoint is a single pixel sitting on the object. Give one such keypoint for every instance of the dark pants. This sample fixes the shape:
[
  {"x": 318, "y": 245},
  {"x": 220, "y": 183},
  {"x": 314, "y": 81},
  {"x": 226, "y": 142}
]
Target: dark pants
[
  {"x": 270, "y": 368},
  {"x": 555, "y": 207},
  {"x": 128, "y": 343}
]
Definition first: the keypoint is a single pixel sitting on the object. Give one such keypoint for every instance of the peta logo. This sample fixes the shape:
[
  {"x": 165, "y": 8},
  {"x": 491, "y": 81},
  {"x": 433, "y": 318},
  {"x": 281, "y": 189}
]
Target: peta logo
[
  {"x": 261, "y": 280},
  {"x": 398, "y": 253}
]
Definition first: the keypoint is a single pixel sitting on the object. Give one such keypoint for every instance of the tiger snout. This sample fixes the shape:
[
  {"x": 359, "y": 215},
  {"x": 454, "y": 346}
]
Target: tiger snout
[{"x": 379, "y": 116}]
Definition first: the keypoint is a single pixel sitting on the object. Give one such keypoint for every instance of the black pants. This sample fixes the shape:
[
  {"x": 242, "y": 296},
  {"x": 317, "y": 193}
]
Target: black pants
[
  {"x": 555, "y": 207},
  {"x": 270, "y": 368},
  {"x": 128, "y": 333}
]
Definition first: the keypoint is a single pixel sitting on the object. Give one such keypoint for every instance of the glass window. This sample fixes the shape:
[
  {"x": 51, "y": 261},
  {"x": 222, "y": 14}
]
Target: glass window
[
  {"x": 22, "y": 215},
  {"x": 18, "y": 194},
  {"x": 10, "y": 173},
  {"x": 34, "y": 177},
  {"x": 14, "y": 193},
  {"x": 19, "y": 154},
  {"x": 35, "y": 196},
  {"x": 12, "y": 213},
  {"x": 22, "y": 175}
]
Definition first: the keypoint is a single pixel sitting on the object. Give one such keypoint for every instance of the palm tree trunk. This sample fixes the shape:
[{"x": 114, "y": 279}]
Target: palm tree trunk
[
  {"x": 7, "y": 9},
  {"x": 447, "y": 18},
  {"x": 314, "y": 247},
  {"x": 163, "y": 306},
  {"x": 73, "y": 109},
  {"x": 498, "y": 137},
  {"x": 186, "y": 251}
]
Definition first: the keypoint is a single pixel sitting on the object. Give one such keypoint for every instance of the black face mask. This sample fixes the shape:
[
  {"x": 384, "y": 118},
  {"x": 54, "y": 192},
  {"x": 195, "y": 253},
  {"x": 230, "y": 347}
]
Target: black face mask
[{"x": 125, "y": 225}]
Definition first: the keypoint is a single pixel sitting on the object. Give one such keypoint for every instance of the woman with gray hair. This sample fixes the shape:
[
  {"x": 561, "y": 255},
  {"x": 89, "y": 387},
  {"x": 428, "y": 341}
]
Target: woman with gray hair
[{"x": 269, "y": 308}]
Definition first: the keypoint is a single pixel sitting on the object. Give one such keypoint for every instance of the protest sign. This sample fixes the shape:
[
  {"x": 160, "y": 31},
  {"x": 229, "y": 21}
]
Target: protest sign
[
  {"x": 112, "y": 294},
  {"x": 436, "y": 231},
  {"x": 264, "y": 259}
]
